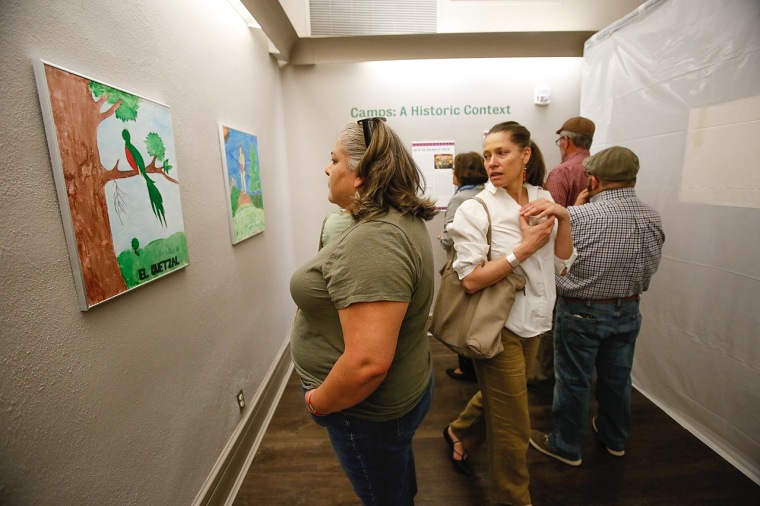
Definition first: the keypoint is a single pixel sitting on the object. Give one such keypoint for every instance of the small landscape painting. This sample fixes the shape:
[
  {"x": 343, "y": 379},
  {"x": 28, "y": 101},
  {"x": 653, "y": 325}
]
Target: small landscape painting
[{"x": 245, "y": 205}]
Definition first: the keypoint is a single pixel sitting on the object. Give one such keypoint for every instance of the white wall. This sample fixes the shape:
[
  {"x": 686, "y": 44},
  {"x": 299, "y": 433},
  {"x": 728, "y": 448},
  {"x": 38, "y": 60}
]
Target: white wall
[
  {"x": 319, "y": 101},
  {"x": 678, "y": 84},
  {"x": 133, "y": 401}
]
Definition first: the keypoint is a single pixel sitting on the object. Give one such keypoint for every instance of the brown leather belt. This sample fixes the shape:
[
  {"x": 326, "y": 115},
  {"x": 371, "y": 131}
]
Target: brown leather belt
[{"x": 614, "y": 300}]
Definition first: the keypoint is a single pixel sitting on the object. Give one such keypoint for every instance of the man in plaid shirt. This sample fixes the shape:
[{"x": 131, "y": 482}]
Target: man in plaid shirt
[{"x": 597, "y": 320}]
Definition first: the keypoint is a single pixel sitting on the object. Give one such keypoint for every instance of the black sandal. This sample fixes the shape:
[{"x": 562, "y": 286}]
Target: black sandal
[
  {"x": 463, "y": 466},
  {"x": 461, "y": 376}
]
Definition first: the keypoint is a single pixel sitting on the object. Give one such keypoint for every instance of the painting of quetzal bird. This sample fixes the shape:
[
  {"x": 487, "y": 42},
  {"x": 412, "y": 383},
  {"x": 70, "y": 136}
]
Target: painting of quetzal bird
[
  {"x": 137, "y": 163},
  {"x": 115, "y": 167}
]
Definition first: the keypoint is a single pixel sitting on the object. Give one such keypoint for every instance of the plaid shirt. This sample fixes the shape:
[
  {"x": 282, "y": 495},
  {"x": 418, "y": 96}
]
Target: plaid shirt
[
  {"x": 568, "y": 179},
  {"x": 619, "y": 241}
]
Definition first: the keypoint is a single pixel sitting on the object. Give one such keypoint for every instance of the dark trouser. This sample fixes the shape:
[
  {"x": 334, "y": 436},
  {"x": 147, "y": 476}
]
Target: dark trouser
[
  {"x": 377, "y": 457},
  {"x": 589, "y": 336},
  {"x": 466, "y": 366},
  {"x": 543, "y": 367}
]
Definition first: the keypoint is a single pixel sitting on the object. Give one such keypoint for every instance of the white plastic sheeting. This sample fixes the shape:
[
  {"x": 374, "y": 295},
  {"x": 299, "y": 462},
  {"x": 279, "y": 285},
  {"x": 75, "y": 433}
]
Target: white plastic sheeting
[{"x": 678, "y": 82}]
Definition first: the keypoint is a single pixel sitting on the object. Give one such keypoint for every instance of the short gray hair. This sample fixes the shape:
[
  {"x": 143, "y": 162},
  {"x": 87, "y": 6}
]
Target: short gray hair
[{"x": 581, "y": 141}]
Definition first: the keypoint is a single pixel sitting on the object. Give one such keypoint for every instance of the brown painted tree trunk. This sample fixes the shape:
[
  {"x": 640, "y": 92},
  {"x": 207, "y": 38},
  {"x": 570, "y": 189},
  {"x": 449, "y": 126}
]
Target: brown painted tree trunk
[{"x": 77, "y": 117}]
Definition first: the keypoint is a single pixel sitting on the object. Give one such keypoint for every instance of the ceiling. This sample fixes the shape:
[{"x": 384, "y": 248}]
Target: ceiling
[
  {"x": 350, "y": 18},
  {"x": 307, "y": 32}
]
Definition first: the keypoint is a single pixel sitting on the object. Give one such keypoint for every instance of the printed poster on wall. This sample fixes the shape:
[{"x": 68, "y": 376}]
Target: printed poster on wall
[
  {"x": 436, "y": 161},
  {"x": 115, "y": 169}
]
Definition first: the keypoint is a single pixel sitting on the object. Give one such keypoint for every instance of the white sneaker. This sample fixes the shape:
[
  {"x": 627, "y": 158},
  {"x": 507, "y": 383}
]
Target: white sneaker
[{"x": 616, "y": 453}]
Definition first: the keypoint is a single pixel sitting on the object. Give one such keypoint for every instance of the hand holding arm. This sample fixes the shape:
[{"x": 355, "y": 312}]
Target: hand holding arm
[
  {"x": 563, "y": 243},
  {"x": 533, "y": 239},
  {"x": 541, "y": 208}
]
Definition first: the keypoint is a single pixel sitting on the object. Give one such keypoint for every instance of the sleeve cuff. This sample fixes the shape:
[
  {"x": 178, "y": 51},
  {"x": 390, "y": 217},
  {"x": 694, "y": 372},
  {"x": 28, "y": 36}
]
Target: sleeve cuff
[{"x": 561, "y": 264}]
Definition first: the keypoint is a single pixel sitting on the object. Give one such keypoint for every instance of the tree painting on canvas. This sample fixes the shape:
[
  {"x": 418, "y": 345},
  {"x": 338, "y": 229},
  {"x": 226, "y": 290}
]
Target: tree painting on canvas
[
  {"x": 115, "y": 168},
  {"x": 245, "y": 205}
]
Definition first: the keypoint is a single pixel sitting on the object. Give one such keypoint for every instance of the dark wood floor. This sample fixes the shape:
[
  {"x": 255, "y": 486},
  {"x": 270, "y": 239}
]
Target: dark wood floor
[{"x": 664, "y": 464}]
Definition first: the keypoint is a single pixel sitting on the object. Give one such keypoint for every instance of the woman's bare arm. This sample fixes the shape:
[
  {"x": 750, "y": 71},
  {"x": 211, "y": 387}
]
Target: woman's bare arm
[{"x": 370, "y": 333}]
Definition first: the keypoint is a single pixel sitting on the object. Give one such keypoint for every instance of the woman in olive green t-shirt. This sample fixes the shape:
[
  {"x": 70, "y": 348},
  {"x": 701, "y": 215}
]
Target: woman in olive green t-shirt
[{"x": 359, "y": 340}]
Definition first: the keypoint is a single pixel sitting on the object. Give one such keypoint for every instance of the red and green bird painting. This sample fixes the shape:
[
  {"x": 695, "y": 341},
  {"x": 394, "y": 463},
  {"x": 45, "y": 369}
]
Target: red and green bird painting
[{"x": 137, "y": 163}]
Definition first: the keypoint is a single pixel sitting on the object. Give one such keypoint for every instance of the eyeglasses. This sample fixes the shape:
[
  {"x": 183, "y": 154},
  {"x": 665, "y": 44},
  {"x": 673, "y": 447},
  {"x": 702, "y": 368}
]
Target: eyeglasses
[
  {"x": 368, "y": 125},
  {"x": 558, "y": 140}
]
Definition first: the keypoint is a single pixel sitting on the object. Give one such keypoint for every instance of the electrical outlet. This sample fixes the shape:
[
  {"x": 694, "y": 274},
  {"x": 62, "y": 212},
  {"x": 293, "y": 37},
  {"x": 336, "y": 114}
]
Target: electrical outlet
[{"x": 241, "y": 400}]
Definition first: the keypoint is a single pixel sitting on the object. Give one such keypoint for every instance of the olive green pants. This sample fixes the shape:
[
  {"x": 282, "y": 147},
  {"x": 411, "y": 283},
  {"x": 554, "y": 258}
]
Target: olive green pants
[{"x": 498, "y": 414}]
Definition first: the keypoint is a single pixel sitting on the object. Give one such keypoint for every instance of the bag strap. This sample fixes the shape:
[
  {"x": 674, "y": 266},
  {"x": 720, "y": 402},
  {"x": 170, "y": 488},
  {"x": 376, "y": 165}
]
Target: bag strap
[
  {"x": 488, "y": 234},
  {"x": 452, "y": 252}
]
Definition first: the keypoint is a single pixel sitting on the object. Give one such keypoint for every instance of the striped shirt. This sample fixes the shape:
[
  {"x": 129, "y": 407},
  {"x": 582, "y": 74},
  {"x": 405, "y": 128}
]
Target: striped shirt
[{"x": 619, "y": 242}]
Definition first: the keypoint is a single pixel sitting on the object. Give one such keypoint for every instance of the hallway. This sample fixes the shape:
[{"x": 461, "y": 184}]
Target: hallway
[{"x": 664, "y": 464}]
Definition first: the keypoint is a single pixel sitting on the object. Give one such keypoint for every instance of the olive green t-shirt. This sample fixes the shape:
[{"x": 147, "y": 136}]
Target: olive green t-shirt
[
  {"x": 385, "y": 258},
  {"x": 333, "y": 225}
]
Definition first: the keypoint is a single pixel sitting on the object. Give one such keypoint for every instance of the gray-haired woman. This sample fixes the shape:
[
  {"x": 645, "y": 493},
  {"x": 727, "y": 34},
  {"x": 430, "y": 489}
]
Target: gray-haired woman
[{"x": 359, "y": 341}]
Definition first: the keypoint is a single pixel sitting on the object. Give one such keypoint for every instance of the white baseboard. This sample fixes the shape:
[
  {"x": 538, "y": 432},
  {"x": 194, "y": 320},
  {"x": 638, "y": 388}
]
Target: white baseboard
[{"x": 228, "y": 473}]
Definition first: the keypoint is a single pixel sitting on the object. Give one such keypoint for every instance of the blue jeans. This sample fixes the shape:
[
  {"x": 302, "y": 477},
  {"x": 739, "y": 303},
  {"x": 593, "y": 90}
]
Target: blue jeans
[
  {"x": 587, "y": 336},
  {"x": 377, "y": 457}
]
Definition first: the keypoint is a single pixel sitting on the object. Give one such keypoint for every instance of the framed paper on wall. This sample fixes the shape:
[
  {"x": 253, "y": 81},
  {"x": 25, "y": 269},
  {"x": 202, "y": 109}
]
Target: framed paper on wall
[
  {"x": 436, "y": 162},
  {"x": 115, "y": 169},
  {"x": 242, "y": 182}
]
